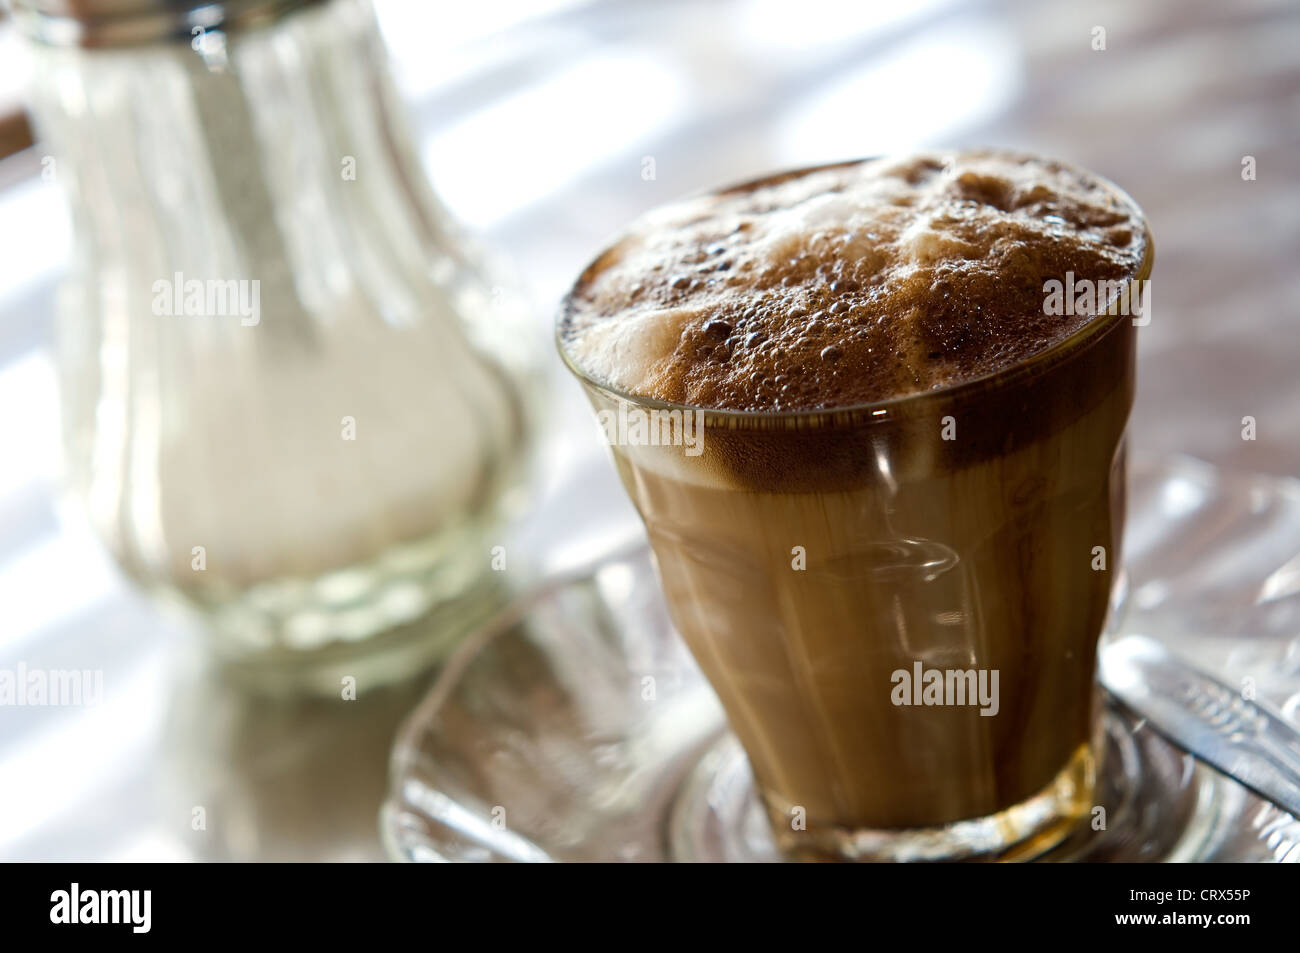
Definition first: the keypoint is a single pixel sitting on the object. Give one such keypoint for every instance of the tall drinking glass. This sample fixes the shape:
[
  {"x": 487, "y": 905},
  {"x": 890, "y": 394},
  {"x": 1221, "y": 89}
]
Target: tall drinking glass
[{"x": 899, "y": 604}]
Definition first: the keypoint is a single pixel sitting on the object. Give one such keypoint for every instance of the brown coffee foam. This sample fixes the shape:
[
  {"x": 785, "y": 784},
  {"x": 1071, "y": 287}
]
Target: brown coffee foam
[{"x": 849, "y": 284}]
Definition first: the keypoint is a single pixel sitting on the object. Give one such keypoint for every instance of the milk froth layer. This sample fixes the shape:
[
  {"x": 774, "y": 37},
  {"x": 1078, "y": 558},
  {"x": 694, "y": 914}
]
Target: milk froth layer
[{"x": 849, "y": 284}]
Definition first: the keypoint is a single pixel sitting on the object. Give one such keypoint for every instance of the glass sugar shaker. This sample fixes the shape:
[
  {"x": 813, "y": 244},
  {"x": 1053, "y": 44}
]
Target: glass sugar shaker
[{"x": 291, "y": 393}]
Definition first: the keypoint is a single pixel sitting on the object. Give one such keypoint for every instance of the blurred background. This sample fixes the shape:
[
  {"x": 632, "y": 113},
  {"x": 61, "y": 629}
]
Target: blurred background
[{"x": 544, "y": 126}]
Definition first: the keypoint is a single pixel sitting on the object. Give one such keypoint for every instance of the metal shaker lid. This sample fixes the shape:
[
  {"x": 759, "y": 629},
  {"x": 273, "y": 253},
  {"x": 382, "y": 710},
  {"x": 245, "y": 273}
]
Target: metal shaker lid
[{"x": 107, "y": 23}]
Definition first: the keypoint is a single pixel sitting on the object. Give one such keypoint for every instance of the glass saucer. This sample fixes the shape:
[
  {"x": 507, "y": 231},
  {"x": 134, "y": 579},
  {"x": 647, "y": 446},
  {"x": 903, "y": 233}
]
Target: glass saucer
[{"x": 577, "y": 727}]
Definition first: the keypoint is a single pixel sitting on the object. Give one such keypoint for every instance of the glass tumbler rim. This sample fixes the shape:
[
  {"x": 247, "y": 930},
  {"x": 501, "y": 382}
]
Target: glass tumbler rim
[{"x": 892, "y": 408}]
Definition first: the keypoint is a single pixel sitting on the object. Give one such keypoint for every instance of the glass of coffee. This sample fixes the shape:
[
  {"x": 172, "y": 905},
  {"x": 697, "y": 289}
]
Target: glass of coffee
[{"x": 873, "y": 416}]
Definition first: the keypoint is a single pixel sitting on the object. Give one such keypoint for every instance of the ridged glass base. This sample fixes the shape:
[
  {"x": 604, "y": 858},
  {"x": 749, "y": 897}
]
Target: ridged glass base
[
  {"x": 376, "y": 622},
  {"x": 1019, "y": 832},
  {"x": 388, "y": 654}
]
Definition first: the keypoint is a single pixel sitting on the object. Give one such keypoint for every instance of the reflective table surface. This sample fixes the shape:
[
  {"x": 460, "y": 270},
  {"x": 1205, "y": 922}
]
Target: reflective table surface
[{"x": 545, "y": 127}]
